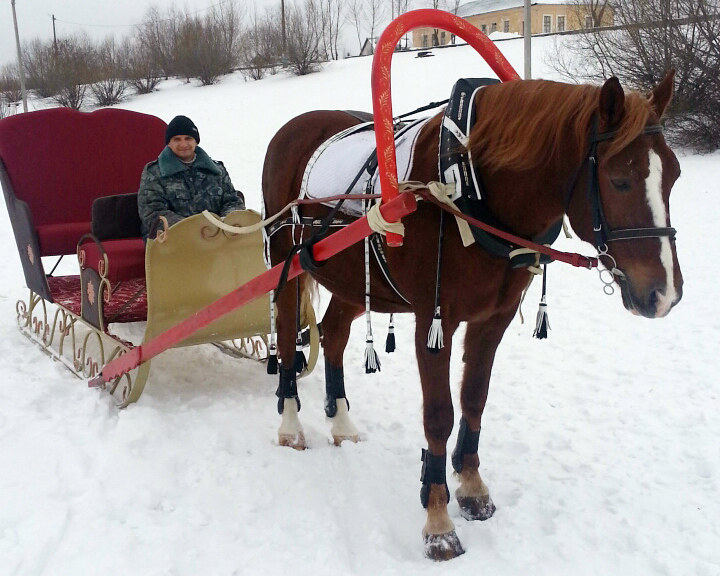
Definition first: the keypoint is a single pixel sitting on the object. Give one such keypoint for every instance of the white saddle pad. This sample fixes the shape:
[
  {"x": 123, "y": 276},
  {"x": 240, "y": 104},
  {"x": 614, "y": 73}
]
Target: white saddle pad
[{"x": 334, "y": 165}]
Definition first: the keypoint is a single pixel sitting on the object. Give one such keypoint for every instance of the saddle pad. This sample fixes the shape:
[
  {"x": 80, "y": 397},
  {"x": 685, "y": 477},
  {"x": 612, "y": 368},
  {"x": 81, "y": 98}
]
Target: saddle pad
[{"x": 335, "y": 164}]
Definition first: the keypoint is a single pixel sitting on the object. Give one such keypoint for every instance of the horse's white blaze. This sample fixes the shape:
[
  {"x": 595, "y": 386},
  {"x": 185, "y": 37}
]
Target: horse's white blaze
[{"x": 653, "y": 192}]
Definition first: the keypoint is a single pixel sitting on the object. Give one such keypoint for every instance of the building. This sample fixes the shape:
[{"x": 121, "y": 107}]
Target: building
[{"x": 508, "y": 16}]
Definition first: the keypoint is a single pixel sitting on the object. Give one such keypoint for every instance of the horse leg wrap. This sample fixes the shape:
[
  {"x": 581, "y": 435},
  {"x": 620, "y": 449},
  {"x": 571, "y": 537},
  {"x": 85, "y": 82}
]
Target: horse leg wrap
[
  {"x": 467, "y": 443},
  {"x": 334, "y": 388},
  {"x": 287, "y": 388},
  {"x": 433, "y": 472}
]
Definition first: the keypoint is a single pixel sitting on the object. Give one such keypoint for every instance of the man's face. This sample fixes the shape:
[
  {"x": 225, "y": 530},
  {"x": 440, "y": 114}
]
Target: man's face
[{"x": 183, "y": 147}]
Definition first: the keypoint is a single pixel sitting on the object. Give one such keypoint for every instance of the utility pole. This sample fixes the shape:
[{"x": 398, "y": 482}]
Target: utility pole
[
  {"x": 54, "y": 35},
  {"x": 527, "y": 34},
  {"x": 21, "y": 68}
]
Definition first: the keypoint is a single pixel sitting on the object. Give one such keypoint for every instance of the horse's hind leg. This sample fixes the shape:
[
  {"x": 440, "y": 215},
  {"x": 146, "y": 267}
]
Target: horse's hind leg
[
  {"x": 481, "y": 342},
  {"x": 336, "y": 331},
  {"x": 290, "y": 432}
]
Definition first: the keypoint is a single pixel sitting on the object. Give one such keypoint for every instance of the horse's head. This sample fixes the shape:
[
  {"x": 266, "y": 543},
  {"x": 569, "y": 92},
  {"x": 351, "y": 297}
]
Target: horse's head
[{"x": 626, "y": 212}]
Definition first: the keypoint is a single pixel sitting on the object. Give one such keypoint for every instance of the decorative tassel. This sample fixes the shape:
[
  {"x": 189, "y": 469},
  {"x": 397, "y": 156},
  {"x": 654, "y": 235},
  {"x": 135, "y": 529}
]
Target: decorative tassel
[
  {"x": 435, "y": 336},
  {"x": 272, "y": 364},
  {"x": 390, "y": 341},
  {"x": 542, "y": 324},
  {"x": 372, "y": 362},
  {"x": 300, "y": 362}
]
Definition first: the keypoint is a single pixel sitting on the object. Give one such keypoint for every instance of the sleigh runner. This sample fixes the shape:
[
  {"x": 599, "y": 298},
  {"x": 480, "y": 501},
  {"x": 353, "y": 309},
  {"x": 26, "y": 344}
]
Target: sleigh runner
[{"x": 79, "y": 201}]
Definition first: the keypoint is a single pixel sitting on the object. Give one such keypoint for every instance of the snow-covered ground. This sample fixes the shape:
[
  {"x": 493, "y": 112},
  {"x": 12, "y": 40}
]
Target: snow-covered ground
[{"x": 600, "y": 445}]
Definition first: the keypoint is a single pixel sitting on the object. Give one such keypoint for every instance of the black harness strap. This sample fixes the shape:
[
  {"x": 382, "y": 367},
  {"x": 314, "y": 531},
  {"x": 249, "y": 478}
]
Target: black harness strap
[{"x": 603, "y": 232}]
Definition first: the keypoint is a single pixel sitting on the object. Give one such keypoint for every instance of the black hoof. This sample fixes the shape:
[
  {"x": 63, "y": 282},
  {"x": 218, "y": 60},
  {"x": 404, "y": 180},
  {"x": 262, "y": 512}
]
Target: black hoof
[
  {"x": 472, "y": 508},
  {"x": 443, "y": 546}
]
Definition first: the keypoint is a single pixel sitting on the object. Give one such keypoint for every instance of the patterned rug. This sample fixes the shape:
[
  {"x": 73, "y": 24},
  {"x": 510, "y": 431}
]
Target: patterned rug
[{"x": 65, "y": 291}]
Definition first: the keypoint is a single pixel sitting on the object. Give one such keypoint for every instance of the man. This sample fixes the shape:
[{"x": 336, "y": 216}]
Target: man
[{"x": 184, "y": 181}]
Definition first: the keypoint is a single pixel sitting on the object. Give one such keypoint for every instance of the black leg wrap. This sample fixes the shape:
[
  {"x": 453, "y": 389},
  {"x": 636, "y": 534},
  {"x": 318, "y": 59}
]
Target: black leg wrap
[
  {"x": 334, "y": 389},
  {"x": 467, "y": 443},
  {"x": 287, "y": 388},
  {"x": 433, "y": 472}
]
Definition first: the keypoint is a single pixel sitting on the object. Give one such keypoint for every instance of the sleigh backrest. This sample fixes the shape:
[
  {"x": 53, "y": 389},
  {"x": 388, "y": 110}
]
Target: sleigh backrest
[{"x": 55, "y": 163}]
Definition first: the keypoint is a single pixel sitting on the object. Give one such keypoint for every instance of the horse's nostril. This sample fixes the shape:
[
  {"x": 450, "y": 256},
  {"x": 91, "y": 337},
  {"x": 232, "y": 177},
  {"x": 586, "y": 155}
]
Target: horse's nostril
[{"x": 654, "y": 299}]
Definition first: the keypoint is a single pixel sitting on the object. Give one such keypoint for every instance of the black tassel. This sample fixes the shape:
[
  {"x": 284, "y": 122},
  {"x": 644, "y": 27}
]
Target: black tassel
[
  {"x": 372, "y": 361},
  {"x": 542, "y": 324},
  {"x": 300, "y": 362},
  {"x": 390, "y": 340},
  {"x": 272, "y": 364}
]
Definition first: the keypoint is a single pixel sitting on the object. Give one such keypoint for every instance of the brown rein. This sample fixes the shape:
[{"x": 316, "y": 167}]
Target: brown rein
[{"x": 577, "y": 260}]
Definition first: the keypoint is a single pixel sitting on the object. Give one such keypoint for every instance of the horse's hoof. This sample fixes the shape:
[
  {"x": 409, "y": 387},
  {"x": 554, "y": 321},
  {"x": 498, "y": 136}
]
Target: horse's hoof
[
  {"x": 337, "y": 440},
  {"x": 476, "y": 507},
  {"x": 296, "y": 440},
  {"x": 443, "y": 546}
]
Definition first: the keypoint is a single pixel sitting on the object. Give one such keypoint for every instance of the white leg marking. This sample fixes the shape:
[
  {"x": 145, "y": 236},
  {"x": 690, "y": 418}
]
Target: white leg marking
[
  {"x": 653, "y": 192},
  {"x": 342, "y": 426},
  {"x": 291, "y": 431}
]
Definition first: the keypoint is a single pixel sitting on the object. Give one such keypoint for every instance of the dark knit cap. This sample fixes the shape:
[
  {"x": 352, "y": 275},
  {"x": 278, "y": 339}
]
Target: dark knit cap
[{"x": 181, "y": 126}]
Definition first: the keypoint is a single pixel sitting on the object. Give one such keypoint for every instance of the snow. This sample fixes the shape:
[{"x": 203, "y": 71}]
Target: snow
[{"x": 599, "y": 445}]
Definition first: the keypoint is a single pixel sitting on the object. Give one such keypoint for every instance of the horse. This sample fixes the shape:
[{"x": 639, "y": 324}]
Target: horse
[{"x": 540, "y": 147}]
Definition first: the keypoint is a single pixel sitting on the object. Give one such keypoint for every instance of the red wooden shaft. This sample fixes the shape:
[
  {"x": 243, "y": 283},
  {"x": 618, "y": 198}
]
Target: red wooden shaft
[
  {"x": 326, "y": 248},
  {"x": 382, "y": 97}
]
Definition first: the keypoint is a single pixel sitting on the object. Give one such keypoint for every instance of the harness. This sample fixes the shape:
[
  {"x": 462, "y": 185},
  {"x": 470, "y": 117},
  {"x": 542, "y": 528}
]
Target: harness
[{"x": 455, "y": 165}]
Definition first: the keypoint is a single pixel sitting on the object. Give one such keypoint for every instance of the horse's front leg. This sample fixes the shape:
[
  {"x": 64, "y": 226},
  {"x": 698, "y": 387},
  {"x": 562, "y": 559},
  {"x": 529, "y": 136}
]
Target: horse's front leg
[
  {"x": 481, "y": 342},
  {"x": 336, "y": 331},
  {"x": 290, "y": 432},
  {"x": 441, "y": 541}
]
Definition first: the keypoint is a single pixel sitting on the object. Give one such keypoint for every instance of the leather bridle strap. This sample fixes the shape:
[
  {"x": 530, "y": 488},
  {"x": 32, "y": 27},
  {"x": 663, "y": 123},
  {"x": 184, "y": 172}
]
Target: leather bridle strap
[{"x": 603, "y": 233}]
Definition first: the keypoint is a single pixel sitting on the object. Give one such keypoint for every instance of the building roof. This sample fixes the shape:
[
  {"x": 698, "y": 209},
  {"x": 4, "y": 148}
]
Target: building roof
[{"x": 484, "y": 6}]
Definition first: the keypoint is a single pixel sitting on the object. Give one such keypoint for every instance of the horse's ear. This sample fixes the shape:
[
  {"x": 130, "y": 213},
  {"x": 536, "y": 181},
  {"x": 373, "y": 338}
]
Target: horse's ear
[
  {"x": 661, "y": 96},
  {"x": 612, "y": 103}
]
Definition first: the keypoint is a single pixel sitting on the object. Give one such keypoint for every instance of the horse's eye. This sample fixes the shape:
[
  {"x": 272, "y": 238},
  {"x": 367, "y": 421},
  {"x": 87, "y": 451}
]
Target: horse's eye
[{"x": 620, "y": 184}]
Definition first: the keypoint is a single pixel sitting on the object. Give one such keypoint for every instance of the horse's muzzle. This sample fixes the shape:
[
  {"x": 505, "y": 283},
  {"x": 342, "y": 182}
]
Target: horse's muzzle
[{"x": 650, "y": 303}]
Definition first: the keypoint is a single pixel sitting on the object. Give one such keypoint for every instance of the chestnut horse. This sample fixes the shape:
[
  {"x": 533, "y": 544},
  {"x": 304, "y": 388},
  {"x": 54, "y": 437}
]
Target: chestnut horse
[{"x": 531, "y": 143}]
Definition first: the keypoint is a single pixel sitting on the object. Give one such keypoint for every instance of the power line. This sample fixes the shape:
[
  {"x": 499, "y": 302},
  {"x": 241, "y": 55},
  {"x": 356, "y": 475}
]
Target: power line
[{"x": 133, "y": 25}]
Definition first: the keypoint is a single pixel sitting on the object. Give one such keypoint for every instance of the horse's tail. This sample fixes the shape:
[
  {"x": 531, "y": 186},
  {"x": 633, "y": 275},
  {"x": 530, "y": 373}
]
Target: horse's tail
[{"x": 309, "y": 295}]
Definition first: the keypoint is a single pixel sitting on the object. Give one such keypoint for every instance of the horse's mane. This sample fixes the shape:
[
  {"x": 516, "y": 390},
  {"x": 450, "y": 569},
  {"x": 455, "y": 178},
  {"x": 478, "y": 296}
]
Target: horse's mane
[{"x": 522, "y": 124}]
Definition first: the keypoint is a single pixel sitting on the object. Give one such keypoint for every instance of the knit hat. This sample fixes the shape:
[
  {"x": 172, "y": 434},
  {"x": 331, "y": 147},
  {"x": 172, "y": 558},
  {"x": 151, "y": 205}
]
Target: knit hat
[{"x": 182, "y": 126}]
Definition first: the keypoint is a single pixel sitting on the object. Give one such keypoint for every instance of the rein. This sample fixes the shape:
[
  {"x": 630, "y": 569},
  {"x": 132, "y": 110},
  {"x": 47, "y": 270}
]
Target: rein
[{"x": 577, "y": 260}]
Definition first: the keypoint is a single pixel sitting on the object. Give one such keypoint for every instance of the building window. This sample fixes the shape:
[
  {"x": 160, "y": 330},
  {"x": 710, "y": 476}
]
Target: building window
[
  {"x": 442, "y": 38},
  {"x": 547, "y": 24},
  {"x": 424, "y": 41},
  {"x": 493, "y": 27},
  {"x": 522, "y": 27},
  {"x": 561, "y": 23},
  {"x": 483, "y": 28},
  {"x": 506, "y": 25},
  {"x": 589, "y": 22}
]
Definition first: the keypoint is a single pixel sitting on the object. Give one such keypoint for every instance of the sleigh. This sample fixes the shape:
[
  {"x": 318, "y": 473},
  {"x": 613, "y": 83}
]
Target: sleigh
[{"x": 69, "y": 180}]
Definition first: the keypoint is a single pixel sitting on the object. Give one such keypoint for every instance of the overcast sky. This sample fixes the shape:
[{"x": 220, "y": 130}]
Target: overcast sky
[{"x": 97, "y": 17}]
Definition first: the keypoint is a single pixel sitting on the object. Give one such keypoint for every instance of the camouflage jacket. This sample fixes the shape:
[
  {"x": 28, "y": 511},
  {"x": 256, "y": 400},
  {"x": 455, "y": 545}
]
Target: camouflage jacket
[{"x": 170, "y": 188}]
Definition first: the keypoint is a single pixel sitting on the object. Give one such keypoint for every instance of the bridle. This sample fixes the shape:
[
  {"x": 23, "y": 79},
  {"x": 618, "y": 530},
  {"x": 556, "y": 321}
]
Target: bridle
[{"x": 603, "y": 232}]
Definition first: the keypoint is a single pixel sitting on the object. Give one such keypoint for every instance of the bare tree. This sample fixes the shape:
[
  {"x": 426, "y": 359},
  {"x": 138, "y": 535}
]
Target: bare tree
[
  {"x": 398, "y": 7},
  {"x": 73, "y": 70},
  {"x": 355, "y": 15},
  {"x": 331, "y": 22},
  {"x": 10, "y": 83},
  {"x": 158, "y": 36},
  {"x": 39, "y": 61},
  {"x": 654, "y": 36},
  {"x": 262, "y": 49},
  {"x": 142, "y": 70},
  {"x": 109, "y": 73},
  {"x": 303, "y": 38}
]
